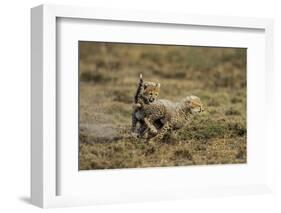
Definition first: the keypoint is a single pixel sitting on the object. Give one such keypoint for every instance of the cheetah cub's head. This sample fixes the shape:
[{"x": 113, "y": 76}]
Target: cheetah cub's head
[
  {"x": 193, "y": 104},
  {"x": 151, "y": 91}
]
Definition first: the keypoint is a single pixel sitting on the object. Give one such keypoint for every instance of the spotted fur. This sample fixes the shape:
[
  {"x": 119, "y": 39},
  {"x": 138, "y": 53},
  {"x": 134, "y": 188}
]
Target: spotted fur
[
  {"x": 147, "y": 92},
  {"x": 163, "y": 115}
]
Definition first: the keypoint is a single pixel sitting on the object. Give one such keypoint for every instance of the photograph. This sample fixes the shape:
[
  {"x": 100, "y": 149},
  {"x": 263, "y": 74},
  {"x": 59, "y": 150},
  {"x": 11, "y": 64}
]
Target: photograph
[{"x": 161, "y": 105}]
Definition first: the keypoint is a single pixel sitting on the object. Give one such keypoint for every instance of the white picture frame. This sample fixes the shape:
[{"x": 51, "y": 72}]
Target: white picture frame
[{"x": 46, "y": 167}]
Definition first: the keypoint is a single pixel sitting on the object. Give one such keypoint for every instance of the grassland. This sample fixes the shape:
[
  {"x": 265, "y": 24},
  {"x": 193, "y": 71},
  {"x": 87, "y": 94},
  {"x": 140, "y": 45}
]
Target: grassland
[{"x": 108, "y": 79}]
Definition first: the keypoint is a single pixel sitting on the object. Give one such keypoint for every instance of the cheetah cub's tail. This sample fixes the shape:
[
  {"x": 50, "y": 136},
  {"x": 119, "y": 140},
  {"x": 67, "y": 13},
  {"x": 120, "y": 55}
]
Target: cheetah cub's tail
[{"x": 139, "y": 89}]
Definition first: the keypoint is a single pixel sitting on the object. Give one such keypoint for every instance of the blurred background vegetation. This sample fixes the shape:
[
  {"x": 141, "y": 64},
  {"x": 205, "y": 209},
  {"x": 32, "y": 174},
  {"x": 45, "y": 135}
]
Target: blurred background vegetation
[{"x": 108, "y": 79}]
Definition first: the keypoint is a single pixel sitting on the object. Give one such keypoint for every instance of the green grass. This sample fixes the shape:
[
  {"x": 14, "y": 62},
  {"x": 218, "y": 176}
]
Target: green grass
[{"x": 108, "y": 80}]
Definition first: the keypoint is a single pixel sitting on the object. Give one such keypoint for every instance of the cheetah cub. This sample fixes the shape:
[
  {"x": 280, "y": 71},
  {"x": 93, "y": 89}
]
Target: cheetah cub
[
  {"x": 171, "y": 115},
  {"x": 147, "y": 92}
]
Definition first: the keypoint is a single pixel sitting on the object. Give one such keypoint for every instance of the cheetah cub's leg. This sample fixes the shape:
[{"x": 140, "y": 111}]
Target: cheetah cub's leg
[
  {"x": 134, "y": 123},
  {"x": 162, "y": 132},
  {"x": 150, "y": 126},
  {"x": 142, "y": 129},
  {"x": 135, "y": 106}
]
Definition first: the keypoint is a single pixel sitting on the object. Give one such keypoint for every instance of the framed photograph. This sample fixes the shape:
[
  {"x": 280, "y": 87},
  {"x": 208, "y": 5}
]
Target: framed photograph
[{"x": 131, "y": 106}]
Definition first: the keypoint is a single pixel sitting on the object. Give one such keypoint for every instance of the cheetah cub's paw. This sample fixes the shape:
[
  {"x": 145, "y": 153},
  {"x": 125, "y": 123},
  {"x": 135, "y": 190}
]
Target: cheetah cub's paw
[
  {"x": 134, "y": 135},
  {"x": 136, "y": 106},
  {"x": 154, "y": 131}
]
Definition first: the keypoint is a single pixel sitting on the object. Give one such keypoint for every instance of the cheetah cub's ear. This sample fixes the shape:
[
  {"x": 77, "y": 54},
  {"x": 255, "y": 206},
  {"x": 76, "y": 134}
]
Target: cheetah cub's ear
[
  {"x": 158, "y": 85},
  {"x": 145, "y": 85}
]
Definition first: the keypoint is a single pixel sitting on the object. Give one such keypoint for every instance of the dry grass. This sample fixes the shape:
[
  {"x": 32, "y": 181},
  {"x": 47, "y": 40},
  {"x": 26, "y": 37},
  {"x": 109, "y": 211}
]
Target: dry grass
[{"x": 108, "y": 79}]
